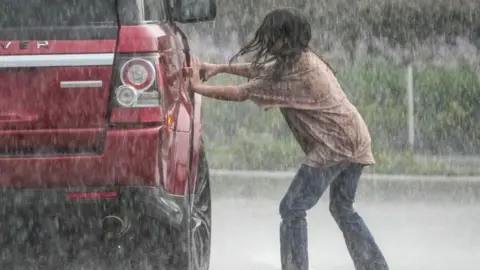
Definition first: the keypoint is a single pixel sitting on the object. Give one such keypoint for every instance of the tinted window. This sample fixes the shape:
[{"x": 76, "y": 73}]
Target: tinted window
[
  {"x": 154, "y": 10},
  {"x": 30, "y": 13},
  {"x": 194, "y": 10}
]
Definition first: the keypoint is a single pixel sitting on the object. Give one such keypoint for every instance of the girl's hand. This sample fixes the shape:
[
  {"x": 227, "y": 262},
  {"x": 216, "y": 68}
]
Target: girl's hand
[
  {"x": 208, "y": 70},
  {"x": 195, "y": 79},
  {"x": 231, "y": 93}
]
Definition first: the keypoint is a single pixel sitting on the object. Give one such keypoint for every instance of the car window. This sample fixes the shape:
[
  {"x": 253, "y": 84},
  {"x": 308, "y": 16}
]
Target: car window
[
  {"x": 30, "y": 13},
  {"x": 155, "y": 10},
  {"x": 192, "y": 8}
]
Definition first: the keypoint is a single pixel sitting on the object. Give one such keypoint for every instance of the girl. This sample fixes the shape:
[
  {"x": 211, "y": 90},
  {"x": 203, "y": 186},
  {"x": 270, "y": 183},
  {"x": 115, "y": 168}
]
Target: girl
[{"x": 286, "y": 74}]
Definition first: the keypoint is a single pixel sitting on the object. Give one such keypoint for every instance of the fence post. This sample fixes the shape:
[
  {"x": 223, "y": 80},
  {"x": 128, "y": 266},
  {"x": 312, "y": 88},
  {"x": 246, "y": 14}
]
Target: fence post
[{"x": 411, "y": 109}]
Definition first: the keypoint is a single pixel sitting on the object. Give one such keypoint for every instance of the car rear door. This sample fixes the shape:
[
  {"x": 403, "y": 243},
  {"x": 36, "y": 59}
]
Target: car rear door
[{"x": 56, "y": 61}]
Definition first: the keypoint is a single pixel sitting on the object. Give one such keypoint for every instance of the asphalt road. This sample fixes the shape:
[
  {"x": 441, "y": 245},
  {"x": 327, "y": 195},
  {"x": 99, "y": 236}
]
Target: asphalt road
[
  {"x": 414, "y": 232},
  {"x": 414, "y": 235}
]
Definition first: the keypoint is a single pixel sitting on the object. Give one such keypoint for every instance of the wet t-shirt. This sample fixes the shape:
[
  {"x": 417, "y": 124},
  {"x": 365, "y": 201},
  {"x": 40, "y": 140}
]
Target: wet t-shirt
[{"x": 327, "y": 126}]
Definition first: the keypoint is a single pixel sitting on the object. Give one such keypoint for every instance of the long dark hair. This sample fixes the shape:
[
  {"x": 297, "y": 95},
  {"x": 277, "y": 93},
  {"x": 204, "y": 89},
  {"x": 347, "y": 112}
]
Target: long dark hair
[{"x": 287, "y": 25}]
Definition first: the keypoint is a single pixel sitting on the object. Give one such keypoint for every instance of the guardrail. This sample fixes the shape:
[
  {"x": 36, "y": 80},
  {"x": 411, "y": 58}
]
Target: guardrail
[
  {"x": 273, "y": 184},
  {"x": 377, "y": 177}
]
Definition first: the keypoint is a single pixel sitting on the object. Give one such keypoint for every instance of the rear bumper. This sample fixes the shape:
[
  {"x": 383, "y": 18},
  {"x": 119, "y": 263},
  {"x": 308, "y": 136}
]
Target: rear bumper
[
  {"x": 138, "y": 201},
  {"x": 130, "y": 157}
]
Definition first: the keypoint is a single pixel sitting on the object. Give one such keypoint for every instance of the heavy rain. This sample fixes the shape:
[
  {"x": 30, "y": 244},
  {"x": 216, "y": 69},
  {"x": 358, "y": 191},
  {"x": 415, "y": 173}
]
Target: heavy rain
[{"x": 102, "y": 138}]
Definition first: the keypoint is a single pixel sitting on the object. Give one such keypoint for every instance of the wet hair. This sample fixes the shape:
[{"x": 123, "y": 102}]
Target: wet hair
[{"x": 286, "y": 25}]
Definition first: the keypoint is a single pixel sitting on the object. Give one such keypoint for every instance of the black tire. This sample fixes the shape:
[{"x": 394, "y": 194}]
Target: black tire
[
  {"x": 180, "y": 249},
  {"x": 201, "y": 219},
  {"x": 191, "y": 248}
]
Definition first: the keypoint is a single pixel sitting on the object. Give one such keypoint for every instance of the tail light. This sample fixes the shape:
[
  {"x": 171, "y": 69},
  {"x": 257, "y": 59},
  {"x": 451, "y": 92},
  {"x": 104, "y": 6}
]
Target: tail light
[
  {"x": 138, "y": 82},
  {"x": 138, "y": 73},
  {"x": 137, "y": 89}
]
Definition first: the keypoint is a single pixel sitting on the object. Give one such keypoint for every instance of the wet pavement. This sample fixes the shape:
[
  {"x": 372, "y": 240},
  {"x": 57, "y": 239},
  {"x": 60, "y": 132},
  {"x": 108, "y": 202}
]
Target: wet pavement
[{"x": 412, "y": 235}]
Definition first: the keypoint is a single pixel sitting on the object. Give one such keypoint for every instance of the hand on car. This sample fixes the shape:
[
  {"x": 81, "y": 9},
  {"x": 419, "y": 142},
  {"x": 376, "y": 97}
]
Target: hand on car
[
  {"x": 209, "y": 70},
  {"x": 201, "y": 72},
  {"x": 195, "y": 79}
]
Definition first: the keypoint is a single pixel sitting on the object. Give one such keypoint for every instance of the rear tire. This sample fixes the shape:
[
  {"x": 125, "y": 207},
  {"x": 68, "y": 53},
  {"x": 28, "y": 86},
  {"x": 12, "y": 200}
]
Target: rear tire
[
  {"x": 201, "y": 219},
  {"x": 190, "y": 249}
]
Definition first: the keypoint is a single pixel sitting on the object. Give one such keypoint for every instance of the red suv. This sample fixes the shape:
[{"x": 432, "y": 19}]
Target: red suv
[{"x": 100, "y": 138}]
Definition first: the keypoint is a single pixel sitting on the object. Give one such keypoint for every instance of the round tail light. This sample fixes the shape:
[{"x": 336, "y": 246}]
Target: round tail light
[
  {"x": 138, "y": 73},
  {"x": 126, "y": 95}
]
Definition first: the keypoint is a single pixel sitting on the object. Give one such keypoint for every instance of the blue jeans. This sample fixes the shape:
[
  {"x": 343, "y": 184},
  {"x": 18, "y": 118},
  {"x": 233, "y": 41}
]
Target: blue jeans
[{"x": 304, "y": 192}]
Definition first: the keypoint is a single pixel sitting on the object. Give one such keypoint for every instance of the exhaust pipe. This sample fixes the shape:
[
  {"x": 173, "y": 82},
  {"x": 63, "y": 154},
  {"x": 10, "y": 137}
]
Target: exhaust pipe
[{"x": 114, "y": 227}]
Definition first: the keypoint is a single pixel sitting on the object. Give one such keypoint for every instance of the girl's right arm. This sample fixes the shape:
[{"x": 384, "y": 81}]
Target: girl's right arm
[{"x": 244, "y": 69}]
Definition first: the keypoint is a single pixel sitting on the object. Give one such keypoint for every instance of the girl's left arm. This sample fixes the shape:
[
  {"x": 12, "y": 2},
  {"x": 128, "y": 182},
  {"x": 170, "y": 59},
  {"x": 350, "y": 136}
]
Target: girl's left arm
[{"x": 227, "y": 93}]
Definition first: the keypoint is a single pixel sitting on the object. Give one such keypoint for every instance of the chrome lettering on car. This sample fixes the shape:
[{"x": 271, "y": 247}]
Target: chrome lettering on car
[
  {"x": 42, "y": 44},
  {"x": 22, "y": 45},
  {"x": 5, "y": 45}
]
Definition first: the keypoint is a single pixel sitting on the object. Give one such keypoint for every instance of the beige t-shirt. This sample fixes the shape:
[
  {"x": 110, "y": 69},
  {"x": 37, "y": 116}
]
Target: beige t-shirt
[{"x": 327, "y": 126}]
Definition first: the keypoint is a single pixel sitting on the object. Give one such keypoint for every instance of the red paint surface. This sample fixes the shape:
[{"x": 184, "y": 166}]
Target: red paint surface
[
  {"x": 129, "y": 158},
  {"x": 36, "y": 113},
  {"x": 35, "y": 96},
  {"x": 137, "y": 115},
  {"x": 145, "y": 38}
]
